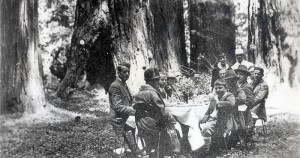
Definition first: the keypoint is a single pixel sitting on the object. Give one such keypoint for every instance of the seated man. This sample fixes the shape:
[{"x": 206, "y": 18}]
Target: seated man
[
  {"x": 261, "y": 91},
  {"x": 242, "y": 74},
  {"x": 218, "y": 118},
  {"x": 240, "y": 96},
  {"x": 222, "y": 74},
  {"x": 162, "y": 86},
  {"x": 154, "y": 123}
]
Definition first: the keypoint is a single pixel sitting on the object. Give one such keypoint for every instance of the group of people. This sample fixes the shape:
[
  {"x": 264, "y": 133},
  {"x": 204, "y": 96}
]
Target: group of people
[
  {"x": 237, "y": 104},
  {"x": 152, "y": 120},
  {"x": 156, "y": 125}
]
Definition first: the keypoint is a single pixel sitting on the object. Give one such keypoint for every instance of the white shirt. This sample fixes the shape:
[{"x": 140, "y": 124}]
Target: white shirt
[{"x": 244, "y": 62}]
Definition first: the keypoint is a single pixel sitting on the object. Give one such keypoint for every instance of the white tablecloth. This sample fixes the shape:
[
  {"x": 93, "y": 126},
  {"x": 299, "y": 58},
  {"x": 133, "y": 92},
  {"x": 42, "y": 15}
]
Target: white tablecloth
[
  {"x": 187, "y": 115},
  {"x": 190, "y": 116}
]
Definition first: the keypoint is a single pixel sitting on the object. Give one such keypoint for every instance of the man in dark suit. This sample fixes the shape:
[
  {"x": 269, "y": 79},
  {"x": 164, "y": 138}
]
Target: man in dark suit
[
  {"x": 261, "y": 91},
  {"x": 153, "y": 121},
  {"x": 242, "y": 74},
  {"x": 120, "y": 101}
]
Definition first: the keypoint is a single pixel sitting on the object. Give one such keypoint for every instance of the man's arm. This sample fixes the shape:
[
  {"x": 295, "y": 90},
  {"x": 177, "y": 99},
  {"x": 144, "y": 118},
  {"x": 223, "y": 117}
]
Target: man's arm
[
  {"x": 229, "y": 102},
  {"x": 210, "y": 109},
  {"x": 117, "y": 103},
  {"x": 250, "y": 96},
  {"x": 262, "y": 94},
  {"x": 241, "y": 98}
]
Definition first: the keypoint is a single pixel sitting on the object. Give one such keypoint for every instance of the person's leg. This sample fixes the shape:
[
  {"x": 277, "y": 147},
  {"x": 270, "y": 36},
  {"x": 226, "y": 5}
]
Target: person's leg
[
  {"x": 119, "y": 129},
  {"x": 129, "y": 138},
  {"x": 208, "y": 129}
]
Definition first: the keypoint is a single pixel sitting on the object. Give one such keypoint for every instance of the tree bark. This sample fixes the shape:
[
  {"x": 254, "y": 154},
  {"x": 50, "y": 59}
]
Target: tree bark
[
  {"x": 273, "y": 40},
  {"x": 143, "y": 33},
  {"x": 20, "y": 80},
  {"x": 212, "y": 31}
]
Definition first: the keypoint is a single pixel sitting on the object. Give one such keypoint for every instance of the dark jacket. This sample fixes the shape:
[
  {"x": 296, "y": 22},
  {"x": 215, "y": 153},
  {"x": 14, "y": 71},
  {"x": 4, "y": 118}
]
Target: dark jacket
[
  {"x": 261, "y": 92},
  {"x": 225, "y": 119},
  {"x": 120, "y": 101},
  {"x": 150, "y": 110},
  {"x": 248, "y": 89},
  {"x": 240, "y": 99}
]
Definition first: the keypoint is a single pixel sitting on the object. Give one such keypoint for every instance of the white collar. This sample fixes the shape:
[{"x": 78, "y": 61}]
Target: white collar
[{"x": 220, "y": 66}]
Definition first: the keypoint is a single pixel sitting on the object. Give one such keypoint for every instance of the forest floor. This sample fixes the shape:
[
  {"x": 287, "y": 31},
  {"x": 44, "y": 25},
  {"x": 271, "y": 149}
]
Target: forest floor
[{"x": 85, "y": 132}]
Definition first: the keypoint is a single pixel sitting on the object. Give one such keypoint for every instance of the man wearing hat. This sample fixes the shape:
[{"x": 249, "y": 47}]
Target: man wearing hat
[
  {"x": 240, "y": 99},
  {"x": 120, "y": 101},
  {"x": 239, "y": 55},
  {"x": 151, "y": 117},
  {"x": 242, "y": 74},
  {"x": 221, "y": 65}
]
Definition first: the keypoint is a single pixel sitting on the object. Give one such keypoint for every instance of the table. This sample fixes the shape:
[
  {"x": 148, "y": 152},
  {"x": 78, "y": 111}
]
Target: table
[
  {"x": 190, "y": 116},
  {"x": 187, "y": 115}
]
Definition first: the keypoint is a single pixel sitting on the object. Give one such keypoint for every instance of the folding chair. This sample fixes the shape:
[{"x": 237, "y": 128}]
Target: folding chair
[{"x": 264, "y": 127}]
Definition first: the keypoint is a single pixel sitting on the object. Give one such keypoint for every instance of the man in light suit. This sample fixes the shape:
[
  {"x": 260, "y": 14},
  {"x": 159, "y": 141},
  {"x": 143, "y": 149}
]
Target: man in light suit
[
  {"x": 240, "y": 60},
  {"x": 120, "y": 101},
  {"x": 261, "y": 91}
]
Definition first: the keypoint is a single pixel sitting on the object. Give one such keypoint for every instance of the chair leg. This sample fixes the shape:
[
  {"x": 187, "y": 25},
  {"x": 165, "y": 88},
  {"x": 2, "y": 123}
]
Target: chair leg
[
  {"x": 264, "y": 128},
  {"x": 158, "y": 145},
  {"x": 225, "y": 142}
]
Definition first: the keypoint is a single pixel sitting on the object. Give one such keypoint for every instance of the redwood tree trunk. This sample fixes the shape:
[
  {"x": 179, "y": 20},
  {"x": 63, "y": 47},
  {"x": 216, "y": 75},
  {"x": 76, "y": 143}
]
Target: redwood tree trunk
[
  {"x": 274, "y": 37},
  {"x": 20, "y": 81},
  {"x": 212, "y": 31},
  {"x": 143, "y": 33}
]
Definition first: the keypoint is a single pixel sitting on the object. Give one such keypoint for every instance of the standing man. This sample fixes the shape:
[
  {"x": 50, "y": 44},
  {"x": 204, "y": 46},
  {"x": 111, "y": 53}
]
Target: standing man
[
  {"x": 152, "y": 119},
  {"x": 261, "y": 91},
  {"x": 240, "y": 59},
  {"x": 120, "y": 101},
  {"x": 220, "y": 66}
]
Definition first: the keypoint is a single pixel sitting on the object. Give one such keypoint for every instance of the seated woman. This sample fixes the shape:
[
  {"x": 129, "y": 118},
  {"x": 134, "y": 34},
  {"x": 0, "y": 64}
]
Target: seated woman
[
  {"x": 218, "y": 118},
  {"x": 155, "y": 125}
]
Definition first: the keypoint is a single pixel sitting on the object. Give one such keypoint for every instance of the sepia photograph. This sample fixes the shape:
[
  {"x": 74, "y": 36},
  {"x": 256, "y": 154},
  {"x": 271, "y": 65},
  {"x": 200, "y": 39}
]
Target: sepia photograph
[{"x": 150, "y": 78}]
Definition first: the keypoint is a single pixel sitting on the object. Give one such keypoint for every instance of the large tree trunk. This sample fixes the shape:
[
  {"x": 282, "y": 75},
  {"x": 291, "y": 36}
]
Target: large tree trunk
[
  {"x": 212, "y": 31},
  {"x": 273, "y": 42},
  {"x": 143, "y": 33},
  {"x": 20, "y": 81}
]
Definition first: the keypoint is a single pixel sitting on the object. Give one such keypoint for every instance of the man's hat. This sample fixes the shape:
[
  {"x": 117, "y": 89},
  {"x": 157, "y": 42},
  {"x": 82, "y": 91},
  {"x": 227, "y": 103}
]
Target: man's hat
[
  {"x": 239, "y": 51},
  {"x": 151, "y": 74},
  {"x": 230, "y": 74},
  {"x": 243, "y": 68}
]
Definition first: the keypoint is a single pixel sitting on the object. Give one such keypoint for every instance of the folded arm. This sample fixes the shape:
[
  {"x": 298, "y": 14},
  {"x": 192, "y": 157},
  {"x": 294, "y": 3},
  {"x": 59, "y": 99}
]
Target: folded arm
[{"x": 261, "y": 95}]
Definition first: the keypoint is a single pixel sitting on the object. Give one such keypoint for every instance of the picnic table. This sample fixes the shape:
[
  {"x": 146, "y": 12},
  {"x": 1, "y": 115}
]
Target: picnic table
[{"x": 188, "y": 114}]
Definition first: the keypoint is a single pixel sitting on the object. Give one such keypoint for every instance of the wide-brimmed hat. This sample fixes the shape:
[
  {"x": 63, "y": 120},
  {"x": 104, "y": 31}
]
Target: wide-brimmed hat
[
  {"x": 243, "y": 68},
  {"x": 230, "y": 74},
  {"x": 151, "y": 74}
]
